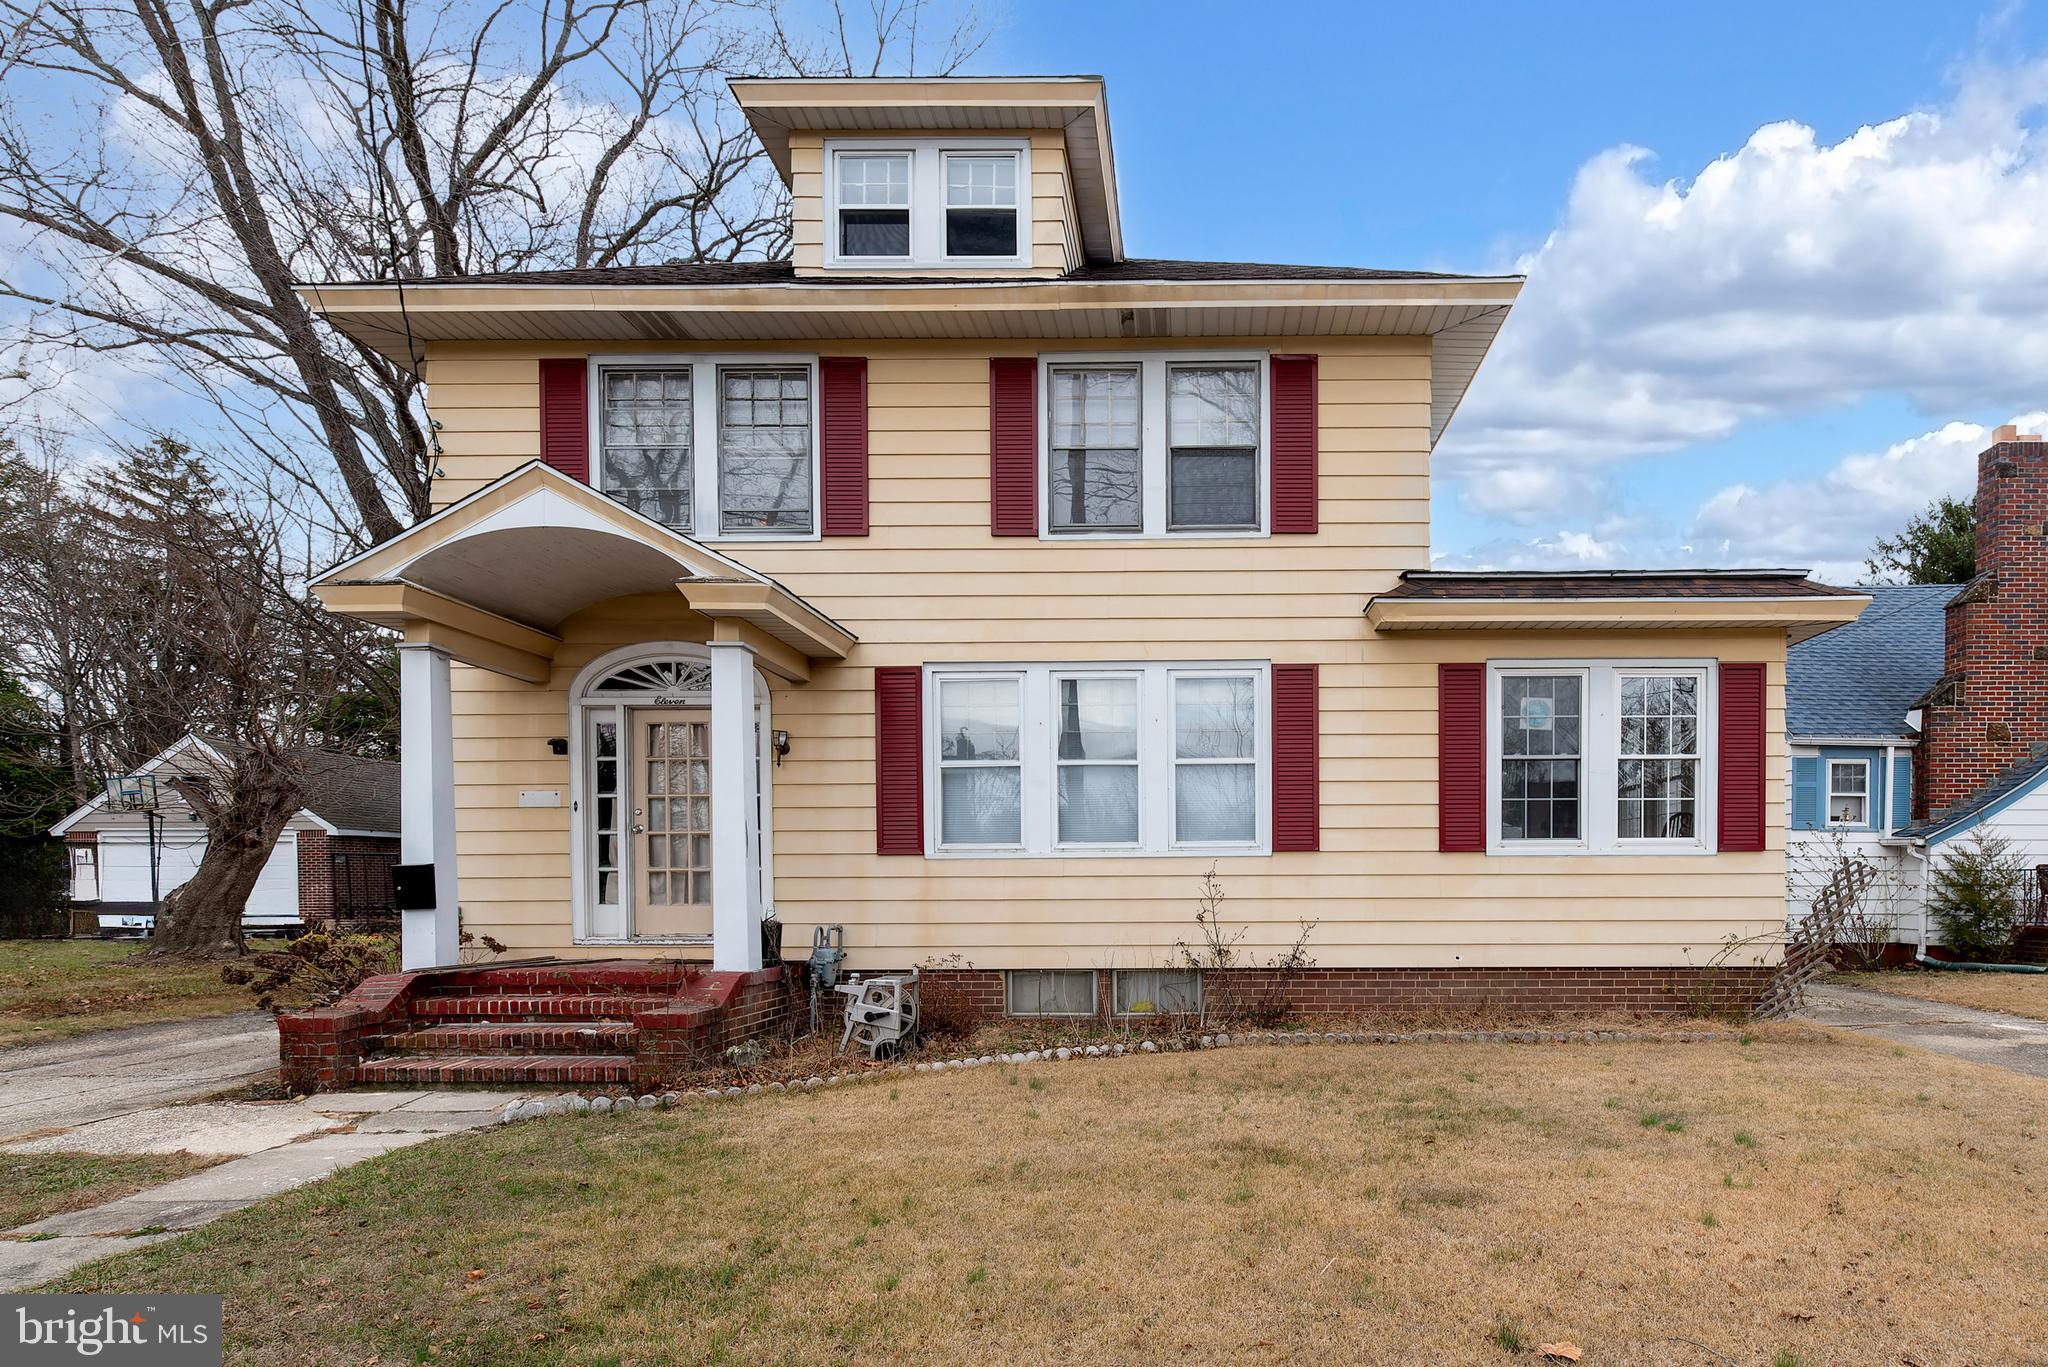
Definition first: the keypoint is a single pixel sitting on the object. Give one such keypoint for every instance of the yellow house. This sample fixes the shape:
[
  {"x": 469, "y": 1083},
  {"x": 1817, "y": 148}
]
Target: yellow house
[{"x": 973, "y": 586}]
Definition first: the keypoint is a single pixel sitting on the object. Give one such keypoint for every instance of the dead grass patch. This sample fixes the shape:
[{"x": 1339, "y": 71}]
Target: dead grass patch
[
  {"x": 1397, "y": 1204},
  {"x": 34, "y": 1185},
  {"x": 53, "y": 989},
  {"x": 2018, "y": 994}
]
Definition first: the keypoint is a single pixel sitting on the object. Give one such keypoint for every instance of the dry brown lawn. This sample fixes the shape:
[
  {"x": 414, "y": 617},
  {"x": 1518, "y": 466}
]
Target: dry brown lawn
[
  {"x": 52, "y": 989},
  {"x": 1801, "y": 1197},
  {"x": 2020, "y": 994},
  {"x": 33, "y": 1185}
]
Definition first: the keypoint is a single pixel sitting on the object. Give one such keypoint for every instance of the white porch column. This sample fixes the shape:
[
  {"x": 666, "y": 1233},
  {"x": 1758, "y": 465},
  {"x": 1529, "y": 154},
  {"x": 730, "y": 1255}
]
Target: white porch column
[
  {"x": 426, "y": 806},
  {"x": 735, "y": 898}
]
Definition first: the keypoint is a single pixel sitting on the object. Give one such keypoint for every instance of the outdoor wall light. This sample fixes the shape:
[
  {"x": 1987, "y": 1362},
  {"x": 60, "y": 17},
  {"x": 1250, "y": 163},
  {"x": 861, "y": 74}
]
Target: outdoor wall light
[
  {"x": 781, "y": 747},
  {"x": 558, "y": 745}
]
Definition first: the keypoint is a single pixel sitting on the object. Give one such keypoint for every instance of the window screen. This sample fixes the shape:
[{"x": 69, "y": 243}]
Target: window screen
[
  {"x": 981, "y": 206},
  {"x": 1212, "y": 434},
  {"x": 874, "y": 204},
  {"x": 1541, "y": 720},
  {"x": 980, "y": 778},
  {"x": 1657, "y": 786},
  {"x": 764, "y": 449},
  {"x": 644, "y": 439}
]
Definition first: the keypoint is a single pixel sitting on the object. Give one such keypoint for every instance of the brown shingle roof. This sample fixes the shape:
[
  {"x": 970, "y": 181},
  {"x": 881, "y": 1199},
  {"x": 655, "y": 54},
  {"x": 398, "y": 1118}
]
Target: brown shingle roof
[
  {"x": 712, "y": 274},
  {"x": 1582, "y": 585}
]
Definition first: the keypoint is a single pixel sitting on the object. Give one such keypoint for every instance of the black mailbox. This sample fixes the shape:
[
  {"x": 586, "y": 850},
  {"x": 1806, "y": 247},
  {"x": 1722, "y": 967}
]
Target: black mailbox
[{"x": 412, "y": 886}]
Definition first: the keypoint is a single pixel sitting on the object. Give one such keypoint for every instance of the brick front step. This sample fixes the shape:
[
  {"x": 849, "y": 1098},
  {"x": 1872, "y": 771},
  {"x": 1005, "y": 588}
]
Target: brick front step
[
  {"x": 524, "y": 1037},
  {"x": 513, "y": 1068},
  {"x": 547, "y": 1006}
]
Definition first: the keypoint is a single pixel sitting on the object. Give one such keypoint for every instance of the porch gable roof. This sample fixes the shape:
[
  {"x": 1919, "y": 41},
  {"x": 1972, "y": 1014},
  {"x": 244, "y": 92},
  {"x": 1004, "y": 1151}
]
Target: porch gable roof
[{"x": 492, "y": 577}]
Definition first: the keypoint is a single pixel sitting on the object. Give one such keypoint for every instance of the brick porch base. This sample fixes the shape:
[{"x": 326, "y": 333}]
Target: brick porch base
[{"x": 627, "y": 1022}]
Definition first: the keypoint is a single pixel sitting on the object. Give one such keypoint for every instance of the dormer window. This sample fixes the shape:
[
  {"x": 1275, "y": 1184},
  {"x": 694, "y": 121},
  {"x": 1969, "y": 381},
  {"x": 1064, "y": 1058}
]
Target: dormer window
[
  {"x": 874, "y": 204},
  {"x": 927, "y": 202},
  {"x": 981, "y": 205}
]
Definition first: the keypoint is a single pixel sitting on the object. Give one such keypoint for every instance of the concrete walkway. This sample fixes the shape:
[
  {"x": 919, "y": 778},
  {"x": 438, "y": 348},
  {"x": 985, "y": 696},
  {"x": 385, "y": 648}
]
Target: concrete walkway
[
  {"x": 116, "y": 1072},
  {"x": 283, "y": 1145},
  {"x": 2011, "y": 1042}
]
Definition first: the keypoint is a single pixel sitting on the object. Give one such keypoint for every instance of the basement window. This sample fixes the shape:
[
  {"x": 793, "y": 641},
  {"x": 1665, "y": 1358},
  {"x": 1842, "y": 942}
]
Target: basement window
[
  {"x": 1051, "y": 992},
  {"x": 1158, "y": 992}
]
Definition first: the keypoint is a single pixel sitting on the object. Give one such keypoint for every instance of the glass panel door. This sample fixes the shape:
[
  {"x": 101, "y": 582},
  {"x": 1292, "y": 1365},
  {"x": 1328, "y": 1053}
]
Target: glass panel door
[{"x": 672, "y": 822}]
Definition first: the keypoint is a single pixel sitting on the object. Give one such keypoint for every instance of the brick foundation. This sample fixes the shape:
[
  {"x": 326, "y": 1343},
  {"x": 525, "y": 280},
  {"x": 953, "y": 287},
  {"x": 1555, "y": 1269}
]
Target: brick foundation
[{"x": 958, "y": 999}]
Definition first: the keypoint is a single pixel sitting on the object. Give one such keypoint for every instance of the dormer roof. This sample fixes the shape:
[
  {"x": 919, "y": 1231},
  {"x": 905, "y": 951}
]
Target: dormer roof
[{"x": 1076, "y": 106}]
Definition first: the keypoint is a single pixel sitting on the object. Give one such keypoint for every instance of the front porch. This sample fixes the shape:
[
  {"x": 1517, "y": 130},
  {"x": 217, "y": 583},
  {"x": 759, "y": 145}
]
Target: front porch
[
  {"x": 621, "y": 781},
  {"x": 603, "y": 1023}
]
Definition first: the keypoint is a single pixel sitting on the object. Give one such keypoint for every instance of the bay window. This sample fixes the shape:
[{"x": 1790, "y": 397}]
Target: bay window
[
  {"x": 1599, "y": 757},
  {"x": 710, "y": 446},
  {"x": 1097, "y": 759},
  {"x": 1166, "y": 444}
]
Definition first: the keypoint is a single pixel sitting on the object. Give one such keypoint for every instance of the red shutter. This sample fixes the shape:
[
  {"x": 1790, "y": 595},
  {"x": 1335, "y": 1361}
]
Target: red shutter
[
  {"x": 899, "y": 760},
  {"x": 1013, "y": 446},
  {"x": 843, "y": 443},
  {"x": 1460, "y": 757},
  {"x": 565, "y": 416},
  {"x": 1292, "y": 465},
  {"x": 1297, "y": 816},
  {"x": 1742, "y": 757}
]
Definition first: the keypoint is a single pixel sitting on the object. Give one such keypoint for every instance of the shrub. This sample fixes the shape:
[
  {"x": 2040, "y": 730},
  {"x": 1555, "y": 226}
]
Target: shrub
[
  {"x": 314, "y": 970},
  {"x": 1974, "y": 897}
]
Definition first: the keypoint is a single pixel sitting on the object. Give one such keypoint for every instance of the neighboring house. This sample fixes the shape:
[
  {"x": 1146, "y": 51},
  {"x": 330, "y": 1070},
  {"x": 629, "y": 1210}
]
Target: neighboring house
[
  {"x": 1926, "y": 719},
  {"x": 334, "y": 857},
  {"x": 974, "y": 586}
]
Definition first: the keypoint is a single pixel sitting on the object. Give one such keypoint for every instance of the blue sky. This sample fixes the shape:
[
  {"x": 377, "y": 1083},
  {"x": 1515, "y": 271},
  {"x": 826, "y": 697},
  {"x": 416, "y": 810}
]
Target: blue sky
[{"x": 1451, "y": 137}]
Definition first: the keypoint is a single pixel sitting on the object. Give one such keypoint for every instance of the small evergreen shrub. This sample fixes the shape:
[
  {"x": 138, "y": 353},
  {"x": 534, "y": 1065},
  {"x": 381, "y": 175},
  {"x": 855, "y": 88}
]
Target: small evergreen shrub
[{"x": 1974, "y": 897}]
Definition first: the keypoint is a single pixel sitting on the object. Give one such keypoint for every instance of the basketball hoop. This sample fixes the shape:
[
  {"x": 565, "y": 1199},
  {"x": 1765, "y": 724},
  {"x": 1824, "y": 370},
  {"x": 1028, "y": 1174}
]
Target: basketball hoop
[{"x": 132, "y": 793}]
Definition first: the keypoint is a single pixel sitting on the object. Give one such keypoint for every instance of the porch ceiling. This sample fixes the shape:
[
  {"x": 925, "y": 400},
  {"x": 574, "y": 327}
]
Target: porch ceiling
[{"x": 492, "y": 578}]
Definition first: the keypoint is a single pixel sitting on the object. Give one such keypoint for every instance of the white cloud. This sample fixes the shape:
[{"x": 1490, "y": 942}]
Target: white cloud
[{"x": 1910, "y": 257}]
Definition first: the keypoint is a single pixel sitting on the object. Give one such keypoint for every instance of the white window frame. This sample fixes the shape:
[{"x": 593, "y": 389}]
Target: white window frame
[
  {"x": 1138, "y": 761},
  {"x": 936, "y": 764},
  {"x": 1152, "y": 435},
  {"x": 1009, "y": 999},
  {"x": 1828, "y": 798},
  {"x": 1600, "y": 757},
  {"x": 705, "y": 412},
  {"x": 927, "y": 202},
  {"x": 1038, "y": 739}
]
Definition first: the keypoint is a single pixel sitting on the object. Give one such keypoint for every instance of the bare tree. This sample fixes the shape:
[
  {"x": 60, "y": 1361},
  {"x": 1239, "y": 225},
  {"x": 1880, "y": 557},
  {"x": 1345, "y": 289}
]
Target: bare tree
[
  {"x": 198, "y": 624},
  {"x": 178, "y": 168}
]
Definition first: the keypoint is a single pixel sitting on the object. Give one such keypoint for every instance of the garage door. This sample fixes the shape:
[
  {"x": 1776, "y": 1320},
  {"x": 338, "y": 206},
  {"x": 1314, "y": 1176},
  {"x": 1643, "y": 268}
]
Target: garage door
[{"x": 124, "y": 873}]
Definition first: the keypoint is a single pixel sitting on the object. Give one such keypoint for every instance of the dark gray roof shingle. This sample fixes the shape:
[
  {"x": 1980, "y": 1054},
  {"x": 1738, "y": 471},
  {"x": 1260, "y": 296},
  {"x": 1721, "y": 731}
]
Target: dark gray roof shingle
[
  {"x": 1610, "y": 584},
  {"x": 351, "y": 793},
  {"x": 1860, "y": 679}
]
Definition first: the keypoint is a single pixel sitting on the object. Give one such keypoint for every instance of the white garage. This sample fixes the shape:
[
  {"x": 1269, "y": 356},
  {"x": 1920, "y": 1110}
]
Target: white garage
[{"x": 124, "y": 876}]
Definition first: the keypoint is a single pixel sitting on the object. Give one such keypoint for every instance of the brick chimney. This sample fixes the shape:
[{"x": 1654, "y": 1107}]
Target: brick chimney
[{"x": 1990, "y": 709}]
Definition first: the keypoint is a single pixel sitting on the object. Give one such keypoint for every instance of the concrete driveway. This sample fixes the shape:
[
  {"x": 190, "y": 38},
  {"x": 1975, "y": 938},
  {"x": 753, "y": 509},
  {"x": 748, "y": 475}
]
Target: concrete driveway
[
  {"x": 2011, "y": 1042},
  {"x": 115, "y": 1072}
]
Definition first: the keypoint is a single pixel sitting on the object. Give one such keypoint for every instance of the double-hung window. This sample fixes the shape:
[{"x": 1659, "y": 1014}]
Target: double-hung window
[
  {"x": 1154, "y": 445},
  {"x": 1598, "y": 757},
  {"x": 927, "y": 202},
  {"x": 1097, "y": 481},
  {"x": 1848, "y": 792},
  {"x": 1086, "y": 759},
  {"x": 981, "y": 204},
  {"x": 874, "y": 204},
  {"x": 713, "y": 447}
]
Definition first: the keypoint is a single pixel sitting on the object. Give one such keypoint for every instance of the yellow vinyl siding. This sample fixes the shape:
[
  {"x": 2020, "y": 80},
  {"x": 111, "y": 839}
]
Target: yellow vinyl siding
[{"x": 930, "y": 585}]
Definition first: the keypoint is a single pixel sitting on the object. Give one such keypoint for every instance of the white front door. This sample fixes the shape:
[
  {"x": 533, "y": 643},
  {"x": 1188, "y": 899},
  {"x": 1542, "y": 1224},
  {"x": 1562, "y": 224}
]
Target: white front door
[{"x": 670, "y": 835}]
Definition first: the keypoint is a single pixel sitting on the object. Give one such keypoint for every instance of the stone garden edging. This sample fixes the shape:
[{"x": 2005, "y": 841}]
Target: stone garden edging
[{"x": 571, "y": 1102}]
